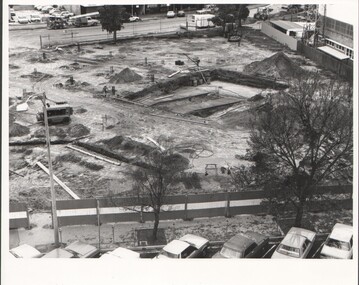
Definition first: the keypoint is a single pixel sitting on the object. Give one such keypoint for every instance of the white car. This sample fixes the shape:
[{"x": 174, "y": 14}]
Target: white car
[
  {"x": 188, "y": 246},
  {"x": 25, "y": 251},
  {"x": 66, "y": 14},
  {"x": 35, "y": 18},
  {"x": 134, "y": 19},
  {"x": 171, "y": 14},
  {"x": 296, "y": 244},
  {"x": 22, "y": 19},
  {"x": 120, "y": 252},
  {"x": 339, "y": 243},
  {"x": 46, "y": 9}
]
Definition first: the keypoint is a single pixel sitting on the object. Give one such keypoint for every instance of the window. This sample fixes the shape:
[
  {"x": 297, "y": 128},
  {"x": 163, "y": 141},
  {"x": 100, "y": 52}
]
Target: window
[
  {"x": 305, "y": 245},
  {"x": 230, "y": 253},
  {"x": 187, "y": 252},
  {"x": 288, "y": 250},
  {"x": 250, "y": 249},
  {"x": 338, "y": 244}
]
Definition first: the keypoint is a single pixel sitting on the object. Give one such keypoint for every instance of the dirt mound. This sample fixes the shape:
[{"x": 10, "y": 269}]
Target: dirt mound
[
  {"x": 78, "y": 130},
  {"x": 54, "y": 132},
  {"x": 278, "y": 65},
  {"x": 17, "y": 130},
  {"x": 127, "y": 144},
  {"x": 125, "y": 76},
  {"x": 37, "y": 76}
]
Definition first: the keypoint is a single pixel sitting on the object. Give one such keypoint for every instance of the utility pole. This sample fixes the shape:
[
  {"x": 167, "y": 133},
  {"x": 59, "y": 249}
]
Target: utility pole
[{"x": 53, "y": 194}]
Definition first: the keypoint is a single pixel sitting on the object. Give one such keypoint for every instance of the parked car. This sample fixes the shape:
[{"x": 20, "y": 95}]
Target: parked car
[
  {"x": 82, "y": 250},
  {"x": 120, "y": 252},
  {"x": 66, "y": 14},
  {"x": 46, "y": 9},
  {"x": 35, "y": 18},
  {"x": 38, "y": 7},
  {"x": 244, "y": 245},
  {"x": 296, "y": 244},
  {"x": 181, "y": 13},
  {"x": 188, "y": 246},
  {"x": 22, "y": 19},
  {"x": 134, "y": 19},
  {"x": 54, "y": 11},
  {"x": 59, "y": 253},
  {"x": 171, "y": 14},
  {"x": 339, "y": 243},
  {"x": 25, "y": 251}
]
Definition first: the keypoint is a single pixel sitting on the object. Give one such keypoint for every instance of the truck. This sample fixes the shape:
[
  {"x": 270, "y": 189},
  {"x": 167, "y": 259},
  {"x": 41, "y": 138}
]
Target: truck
[
  {"x": 202, "y": 20},
  {"x": 85, "y": 20}
]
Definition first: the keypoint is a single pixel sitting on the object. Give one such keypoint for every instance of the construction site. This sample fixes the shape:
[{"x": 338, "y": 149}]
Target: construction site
[{"x": 195, "y": 91}]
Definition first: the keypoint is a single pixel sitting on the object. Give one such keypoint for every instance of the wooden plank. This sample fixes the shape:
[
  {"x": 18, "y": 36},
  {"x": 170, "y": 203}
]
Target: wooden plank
[
  {"x": 58, "y": 181},
  {"x": 93, "y": 155}
]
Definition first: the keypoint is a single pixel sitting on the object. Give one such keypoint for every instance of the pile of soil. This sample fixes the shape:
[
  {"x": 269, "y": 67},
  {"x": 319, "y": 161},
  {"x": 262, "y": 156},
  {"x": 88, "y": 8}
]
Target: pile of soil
[
  {"x": 78, "y": 130},
  {"x": 72, "y": 66},
  {"x": 278, "y": 65},
  {"x": 37, "y": 76},
  {"x": 125, "y": 76},
  {"x": 17, "y": 130},
  {"x": 54, "y": 131}
]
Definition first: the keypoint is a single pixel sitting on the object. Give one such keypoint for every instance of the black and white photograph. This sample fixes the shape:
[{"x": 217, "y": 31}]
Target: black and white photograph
[{"x": 136, "y": 133}]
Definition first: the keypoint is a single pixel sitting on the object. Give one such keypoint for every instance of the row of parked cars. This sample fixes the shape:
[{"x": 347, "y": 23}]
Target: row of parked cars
[{"x": 296, "y": 244}]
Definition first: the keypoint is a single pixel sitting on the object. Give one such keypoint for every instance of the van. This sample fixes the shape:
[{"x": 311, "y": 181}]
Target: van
[{"x": 203, "y": 21}]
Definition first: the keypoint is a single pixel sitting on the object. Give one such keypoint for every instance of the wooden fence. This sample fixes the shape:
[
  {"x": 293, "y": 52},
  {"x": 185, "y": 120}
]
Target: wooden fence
[{"x": 108, "y": 210}]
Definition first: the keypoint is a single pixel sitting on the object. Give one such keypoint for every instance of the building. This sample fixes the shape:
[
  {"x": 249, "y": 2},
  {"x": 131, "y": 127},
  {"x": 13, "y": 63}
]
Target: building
[{"x": 336, "y": 29}]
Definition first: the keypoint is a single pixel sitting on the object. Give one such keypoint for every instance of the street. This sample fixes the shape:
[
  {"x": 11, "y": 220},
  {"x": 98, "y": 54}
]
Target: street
[{"x": 32, "y": 38}]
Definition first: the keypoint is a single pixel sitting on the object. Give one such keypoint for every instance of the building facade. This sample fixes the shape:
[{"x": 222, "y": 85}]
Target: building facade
[{"x": 337, "y": 28}]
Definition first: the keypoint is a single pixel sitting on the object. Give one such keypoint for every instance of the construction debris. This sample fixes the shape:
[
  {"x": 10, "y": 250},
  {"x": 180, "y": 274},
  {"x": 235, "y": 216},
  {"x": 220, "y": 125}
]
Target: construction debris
[
  {"x": 58, "y": 181},
  {"x": 95, "y": 156}
]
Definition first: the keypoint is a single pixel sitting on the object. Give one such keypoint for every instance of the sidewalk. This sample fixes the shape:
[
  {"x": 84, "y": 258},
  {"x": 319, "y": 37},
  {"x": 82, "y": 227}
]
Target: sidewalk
[{"x": 124, "y": 234}]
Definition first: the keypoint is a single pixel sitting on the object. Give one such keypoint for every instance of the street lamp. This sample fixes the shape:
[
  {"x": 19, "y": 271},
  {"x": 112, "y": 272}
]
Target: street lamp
[{"x": 53, "y": 194}]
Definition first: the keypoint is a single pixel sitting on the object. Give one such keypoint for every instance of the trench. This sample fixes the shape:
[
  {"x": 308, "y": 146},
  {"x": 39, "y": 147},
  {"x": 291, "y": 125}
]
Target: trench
[{"x": 163, "y": 89}]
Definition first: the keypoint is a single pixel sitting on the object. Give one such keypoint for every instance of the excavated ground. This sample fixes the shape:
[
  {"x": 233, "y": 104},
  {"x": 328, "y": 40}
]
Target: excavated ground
[{"x": 211, "y": 120}]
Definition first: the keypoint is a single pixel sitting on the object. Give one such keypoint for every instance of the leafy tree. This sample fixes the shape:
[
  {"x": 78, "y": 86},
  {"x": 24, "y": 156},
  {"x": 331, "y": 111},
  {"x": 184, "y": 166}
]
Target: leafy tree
[
  {"x": 230, "y": 13},
  {"x": 112, "y": 18},
  {"x": 302, "y": 138},
  {"x": 155, "y": 182}
]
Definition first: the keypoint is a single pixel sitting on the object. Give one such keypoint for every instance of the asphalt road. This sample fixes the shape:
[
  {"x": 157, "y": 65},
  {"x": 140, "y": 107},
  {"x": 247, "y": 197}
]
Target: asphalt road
[{"x": 31, "y": 39}]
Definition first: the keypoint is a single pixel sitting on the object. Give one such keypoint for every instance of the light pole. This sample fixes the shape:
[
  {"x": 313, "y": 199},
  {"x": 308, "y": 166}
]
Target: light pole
[{"x": 53, "y": 194}]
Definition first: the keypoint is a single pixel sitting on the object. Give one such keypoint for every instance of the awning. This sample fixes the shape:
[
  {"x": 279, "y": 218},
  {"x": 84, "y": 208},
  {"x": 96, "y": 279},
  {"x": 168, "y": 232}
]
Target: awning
[{"x": 333, "y": 52}]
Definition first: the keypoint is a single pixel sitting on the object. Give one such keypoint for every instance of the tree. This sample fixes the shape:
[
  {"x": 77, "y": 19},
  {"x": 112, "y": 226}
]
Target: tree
[
  {"x": 155, "y": 182},
  {"x": 112, "y": 18},
  {"x": 230, "y": 13},
  {"x": 303, "y": 137}
]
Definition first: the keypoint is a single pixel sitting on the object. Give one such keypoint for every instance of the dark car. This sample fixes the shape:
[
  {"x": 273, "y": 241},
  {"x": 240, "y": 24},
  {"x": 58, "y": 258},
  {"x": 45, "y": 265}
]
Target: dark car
[
  {"x": 244, "y": 245},
  {"x": 181, "y": 13}
]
